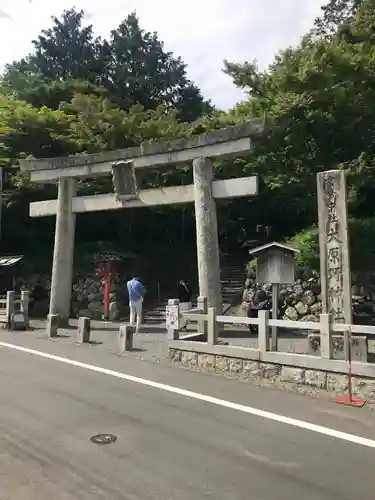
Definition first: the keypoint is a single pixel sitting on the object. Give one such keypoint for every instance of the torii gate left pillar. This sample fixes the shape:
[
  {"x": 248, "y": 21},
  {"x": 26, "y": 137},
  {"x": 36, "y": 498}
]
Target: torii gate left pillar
[{"x": 63, "y": 253}]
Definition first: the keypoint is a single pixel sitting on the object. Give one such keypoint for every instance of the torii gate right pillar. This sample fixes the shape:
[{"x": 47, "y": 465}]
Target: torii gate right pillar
[{"x": 208, "y": 255}]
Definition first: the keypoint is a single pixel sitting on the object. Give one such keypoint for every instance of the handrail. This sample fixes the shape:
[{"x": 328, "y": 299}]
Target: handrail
[
  {"x": 282, "y": 323},
  {"x": 209, "y": 321}
]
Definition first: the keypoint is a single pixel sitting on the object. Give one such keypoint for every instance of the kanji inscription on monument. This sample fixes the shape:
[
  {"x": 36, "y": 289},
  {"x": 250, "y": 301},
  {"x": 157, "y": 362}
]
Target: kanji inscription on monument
[{"x": 334, "y": 247}]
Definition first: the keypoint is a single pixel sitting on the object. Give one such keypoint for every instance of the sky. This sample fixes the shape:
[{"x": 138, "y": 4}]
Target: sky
[{"x": 202, "y": 32}]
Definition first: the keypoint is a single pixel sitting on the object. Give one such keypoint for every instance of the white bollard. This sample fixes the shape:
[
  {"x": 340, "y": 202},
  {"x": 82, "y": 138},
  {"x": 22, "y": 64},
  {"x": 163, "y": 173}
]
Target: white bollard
[
  {"x": 25, "y": 298},
  {"x": 83, "y": 330},
  {"x": 125, "y": 339},
  {"x": 52, "y": 325},
  {"x": 172, "y": 319}
]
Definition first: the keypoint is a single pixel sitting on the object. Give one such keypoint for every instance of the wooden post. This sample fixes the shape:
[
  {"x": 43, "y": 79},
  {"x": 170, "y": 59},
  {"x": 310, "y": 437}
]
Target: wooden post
[
  {"x": 263, "y": 334},
  {"x": 348, "y": 358}
]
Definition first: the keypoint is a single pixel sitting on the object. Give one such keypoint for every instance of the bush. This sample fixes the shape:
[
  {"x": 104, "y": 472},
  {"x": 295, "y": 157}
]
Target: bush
[
  {"x": 307, "y": 242},
  {"x": 361, "y": 242}
]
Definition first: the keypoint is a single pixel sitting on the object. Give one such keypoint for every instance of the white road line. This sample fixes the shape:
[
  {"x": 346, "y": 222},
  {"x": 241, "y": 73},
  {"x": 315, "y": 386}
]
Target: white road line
[{"x": 203, "y": 397}]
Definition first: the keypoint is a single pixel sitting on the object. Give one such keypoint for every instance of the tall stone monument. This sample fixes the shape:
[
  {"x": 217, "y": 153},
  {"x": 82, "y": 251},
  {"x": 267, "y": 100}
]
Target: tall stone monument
[{"x": 334, "y": 246}]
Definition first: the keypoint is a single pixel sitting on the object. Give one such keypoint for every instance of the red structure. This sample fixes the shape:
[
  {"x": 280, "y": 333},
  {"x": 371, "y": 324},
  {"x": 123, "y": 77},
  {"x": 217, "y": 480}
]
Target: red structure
[
  {"x": 349, "y": 399},
  {"x": 108, "y": 268}
]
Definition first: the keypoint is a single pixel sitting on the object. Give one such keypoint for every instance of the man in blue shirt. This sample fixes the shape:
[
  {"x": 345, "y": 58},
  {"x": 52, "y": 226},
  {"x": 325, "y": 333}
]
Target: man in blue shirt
[{"x": 136, "y": 293}]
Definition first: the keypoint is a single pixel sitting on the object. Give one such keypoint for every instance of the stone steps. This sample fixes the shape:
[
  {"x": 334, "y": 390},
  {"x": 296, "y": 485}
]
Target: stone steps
[{"x": 232, "y": 283}]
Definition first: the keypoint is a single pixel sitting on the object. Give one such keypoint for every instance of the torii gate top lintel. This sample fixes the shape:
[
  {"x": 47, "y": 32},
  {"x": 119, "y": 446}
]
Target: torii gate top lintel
[{"x": 230, "y": 141}]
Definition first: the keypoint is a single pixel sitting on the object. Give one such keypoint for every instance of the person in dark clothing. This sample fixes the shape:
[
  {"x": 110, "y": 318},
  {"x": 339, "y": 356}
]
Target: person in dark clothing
[
  {"x": 184, "y": 296},
  {"x": 259, "y": 301},
  {"x": 184, "y": 293}
]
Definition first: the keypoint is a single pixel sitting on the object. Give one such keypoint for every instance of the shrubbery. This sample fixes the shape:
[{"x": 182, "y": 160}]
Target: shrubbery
[
  {"x": 361, "y": 241},
  {"x": 362, "y": 249}
]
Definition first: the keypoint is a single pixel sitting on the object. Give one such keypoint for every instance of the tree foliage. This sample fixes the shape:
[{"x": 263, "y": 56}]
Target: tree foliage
[
  {"x": 362, "y": 250},
  {"x": 131, "y": 68},
  {"x": 319, "y": 97},
  {"x": 336, "y": 15}
]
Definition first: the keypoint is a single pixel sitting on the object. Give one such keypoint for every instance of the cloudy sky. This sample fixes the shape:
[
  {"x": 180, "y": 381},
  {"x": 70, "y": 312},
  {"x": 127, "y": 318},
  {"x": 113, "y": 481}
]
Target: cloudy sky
[{"x": 202, "y": 32}]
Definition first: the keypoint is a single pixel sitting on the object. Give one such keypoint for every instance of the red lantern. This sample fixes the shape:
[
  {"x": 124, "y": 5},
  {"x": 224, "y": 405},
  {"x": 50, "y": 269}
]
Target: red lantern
[{"x": 107, "y": 269}]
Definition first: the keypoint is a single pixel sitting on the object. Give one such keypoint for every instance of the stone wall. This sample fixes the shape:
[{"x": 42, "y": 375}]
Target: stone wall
[
  {"x": 302, "y": 301},
  {"x": 87, "y": 297},
  {"x": 300, "y": 380}
]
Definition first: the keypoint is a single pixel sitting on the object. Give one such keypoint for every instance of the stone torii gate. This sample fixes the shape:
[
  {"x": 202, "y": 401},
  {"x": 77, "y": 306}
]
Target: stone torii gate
[{"x": 123, "y": 165}]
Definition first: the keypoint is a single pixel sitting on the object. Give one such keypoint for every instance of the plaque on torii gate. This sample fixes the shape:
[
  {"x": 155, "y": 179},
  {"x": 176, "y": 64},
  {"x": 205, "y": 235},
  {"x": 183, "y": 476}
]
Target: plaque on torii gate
[{"x": 123, "y": 165}]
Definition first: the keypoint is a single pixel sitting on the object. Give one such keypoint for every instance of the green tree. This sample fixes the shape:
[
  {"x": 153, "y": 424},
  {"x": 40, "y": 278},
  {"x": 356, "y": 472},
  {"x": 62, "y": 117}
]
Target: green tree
[
  {"x": 131, "y": 68},
  {"x": 142, "y": 72},
  {"x": 335, "y": 16},
  {"x": 67, "y": 50},
  {"x": 85, "y": 124},
  {"x": 27, "y": 131},
  {"x": 317, "y": 97}
]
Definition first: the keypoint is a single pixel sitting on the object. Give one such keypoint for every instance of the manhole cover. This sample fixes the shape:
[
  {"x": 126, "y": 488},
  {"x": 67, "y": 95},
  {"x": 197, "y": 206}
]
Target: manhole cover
[{"x": 103, "y": 438}]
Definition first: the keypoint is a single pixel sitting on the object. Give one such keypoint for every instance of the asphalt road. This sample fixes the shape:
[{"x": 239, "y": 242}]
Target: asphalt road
[{"x": 170, "y": 445}]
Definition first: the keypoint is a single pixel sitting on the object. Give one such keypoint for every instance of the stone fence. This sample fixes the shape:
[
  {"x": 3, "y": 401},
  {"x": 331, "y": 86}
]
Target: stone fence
[
  {"x": 302, "y": 300},
  {"x": 205, "y": 352},
  {"x": 11, "y": 304}
]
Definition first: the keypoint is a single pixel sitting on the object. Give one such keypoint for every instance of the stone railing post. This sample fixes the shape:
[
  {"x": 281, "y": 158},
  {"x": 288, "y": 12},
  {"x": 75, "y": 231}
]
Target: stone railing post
[
  {"x": 326, "y": 348},
  {"x": 125, "y": 338},
  {"x": 212, "y": 331},
  {"x": 263, "y": 330},
  {"x": 83, "y": 330},
  {"x": 173, "y": 323},
  {"x": 10, "y": 307},
  {"x": 53, "y": 325},
  {"x": 25, "y": 298},
  {"x": 202, "y": 304}
]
